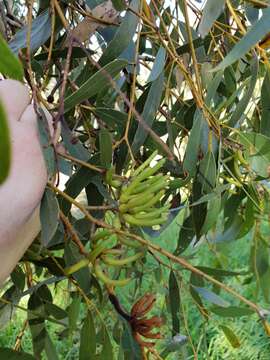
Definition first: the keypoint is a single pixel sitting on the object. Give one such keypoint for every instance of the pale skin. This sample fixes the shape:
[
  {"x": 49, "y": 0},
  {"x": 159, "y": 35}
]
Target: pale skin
[{"x": 21, "y": 193}]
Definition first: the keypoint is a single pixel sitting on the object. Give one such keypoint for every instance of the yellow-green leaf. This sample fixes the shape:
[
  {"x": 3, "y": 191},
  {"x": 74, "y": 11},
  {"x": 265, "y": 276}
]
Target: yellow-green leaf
[
  {"x": 5, "y": 145},
  {"x": 10, "y": 65}
]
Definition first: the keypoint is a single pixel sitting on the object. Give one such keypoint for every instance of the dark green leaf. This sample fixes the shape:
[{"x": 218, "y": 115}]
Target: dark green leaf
[
  {"x": 105, "y": 145},
  {"x": 49, "y": 215},
  {"x": 73, "y": 313},
  {"x": 265, "y": 103},
  {"x": 231, "y": 311},
  {"x": 72, "y": 256},
  {"x": 174, "y": 297},
  {"x": 14, "y": 355},
  {"x": 119, "y": 5},
  {"x": 50, "y": 349},
  {"x": 96, "y": 83},
  {"x": 88, "y": 338},
  {"x": 130, "y": 347},
  {"x": 107, "y": 350}
]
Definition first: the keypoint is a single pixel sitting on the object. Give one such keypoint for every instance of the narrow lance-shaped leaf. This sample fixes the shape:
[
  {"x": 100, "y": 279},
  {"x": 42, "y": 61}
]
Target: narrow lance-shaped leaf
[
  {"x": 96, "y": 83},
  {"x": 211, "y": 297},
  {"x": 230, "y": 336},
  {"x": 40, "y": 33},
  {"x": 88, "y": 338},
  {"x": 130, "y": 347},
  {"x": 123, "y": 35},
  {"x": 243, "y": 103},
  {"x": 211, "y": 12},
  {"x": 49, "y": 214},
  {"x": 158, "y": 65},
  {"x": 265, "y": 103},
  {"x": 174, "y": 296},
  {"x": 193, "y": 145},
  {"x": 105, "y": 145},
  {"x": 252, "y": 37},
  {"x": 149, "y": 112},
  {"x": 231, "y": 311},
  {"x": 5, "y": 145}
]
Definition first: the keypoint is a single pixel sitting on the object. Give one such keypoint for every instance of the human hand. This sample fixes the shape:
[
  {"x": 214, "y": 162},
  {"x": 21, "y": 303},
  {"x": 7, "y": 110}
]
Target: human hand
[{"x": 21, "y": 193}]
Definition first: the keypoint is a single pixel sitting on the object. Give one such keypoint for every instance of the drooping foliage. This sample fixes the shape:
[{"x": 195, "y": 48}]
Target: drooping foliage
[{"x": 164, "y": 109}]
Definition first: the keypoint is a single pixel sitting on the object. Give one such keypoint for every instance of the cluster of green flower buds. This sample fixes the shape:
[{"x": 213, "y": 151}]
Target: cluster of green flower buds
[{"x": 139, "y": 198}]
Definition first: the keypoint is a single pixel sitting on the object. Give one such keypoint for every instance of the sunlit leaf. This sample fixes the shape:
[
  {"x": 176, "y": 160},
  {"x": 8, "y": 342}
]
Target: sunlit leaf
[
  {"x": 10, "y": 65},
  {"x": 5, "y": 145}
]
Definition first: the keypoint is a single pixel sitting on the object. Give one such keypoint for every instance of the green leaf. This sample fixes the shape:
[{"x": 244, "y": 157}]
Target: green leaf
[
  {"x": 74, "y": 145},
  {"x": 114, "y": 119},
  {"x": 40, "y": 33},
  {"x": 74, "y": 312},
  {"x": 208, "y": 172},
  {"x": 55, "y": 311},
  {"x": 149, "y": 112},
  {"x": 46, "y": 144},
  {"x": 238, "y": 112},
  {"x": 130, "y": 347},
  {"x": 72, "y": 256},
  {"x": 252, "y": 37},
  {"x": 219, "y": 272},
  {"x": 257, "y": 152},
  {"x": 36, "y": 319},
  {"x": 193, "y": 145},
  {"x": 213, "y": 208},
  {"x": 211, "y": 11},
  {"x": 95, "y": 84},
  {"x": 119, "y": 5},
  {"x": 123, "y": 36},
  {"x": 50, "y": 349},
  {"x": 87, "y": 338},
  {"x": 5, "y": 145},
  {"x": 10, "y": 354},
  {"x": 10, "y": 66},
  {"x": 211, "y": 297},
  {"x": 174, "y": 297},
  {"x": 231, "y": 311},
  {"x": 265, "y": 103},
  {"x": 49, "y": 216},
  {"x": 231, "y": 233},
  {"x": 105, "y": 145},
  {"x": 107, "y": 350},
  {"x": 158, "y": 65},
  {"x": 230, "y": 336}
]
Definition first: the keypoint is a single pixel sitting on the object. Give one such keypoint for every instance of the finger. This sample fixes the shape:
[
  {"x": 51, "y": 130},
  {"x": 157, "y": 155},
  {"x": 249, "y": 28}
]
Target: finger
[{"x": 14, "y": 96}]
